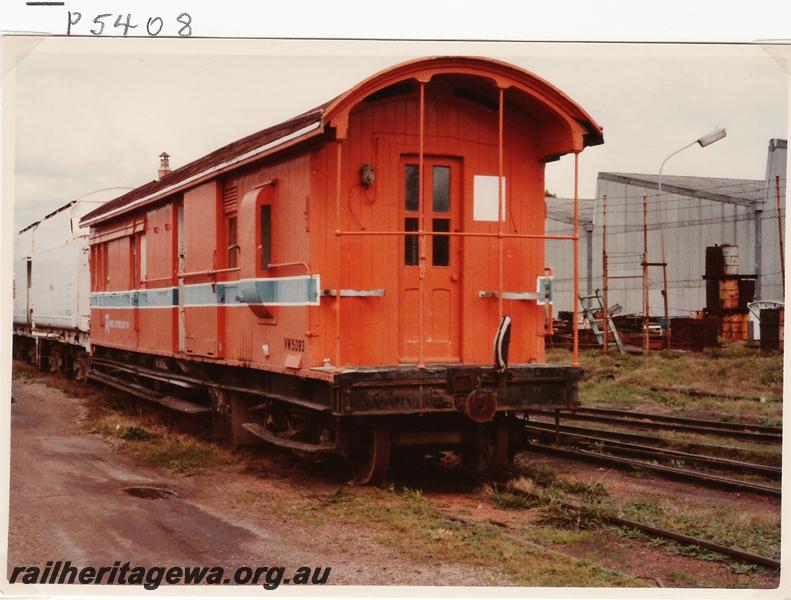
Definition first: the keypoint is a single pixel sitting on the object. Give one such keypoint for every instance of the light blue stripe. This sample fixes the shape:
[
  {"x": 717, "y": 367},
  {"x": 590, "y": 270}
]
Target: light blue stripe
[
  {"x": 295, "y": 291},
  {"x": 141, "y": 298},
  {"x": 201, "y": 294},
  {"x": 158, "y": 298},
  {"x": 302, "y": 290},
  {"x": 114, "y": 300}
]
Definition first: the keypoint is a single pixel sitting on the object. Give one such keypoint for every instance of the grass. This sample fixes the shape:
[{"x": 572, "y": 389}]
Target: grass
[
  {"x": 620, "y": 380},
  {"x": 149, "y": 441},
  {"x": 551, "y": 485},
  {"x": 681, "y": 578},
  {"x": 759, "y": 534},
  {"x": 552, "y": 494},
  {"x": 409, "y": 523},
  {"x": 576, "y": 518},
  {"x": 625, "y": 381}
]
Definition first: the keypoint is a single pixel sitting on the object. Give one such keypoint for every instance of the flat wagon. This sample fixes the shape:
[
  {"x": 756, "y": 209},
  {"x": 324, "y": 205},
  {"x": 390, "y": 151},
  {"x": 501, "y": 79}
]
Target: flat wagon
[{"x": 364, "y": 277}]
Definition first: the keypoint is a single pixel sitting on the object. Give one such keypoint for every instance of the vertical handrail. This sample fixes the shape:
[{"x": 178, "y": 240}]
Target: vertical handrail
[
  {"x": 646, "y": 319},
  {"x": 780, "y": 234},
  {"x": 338, "y": 257},
  {"x": 421, "y": 226},
  {"x": 605, "y": 280},
  {"x": 667, "y": 310},
  {"x": 575, "y": 354},
  {"x": 500, "y": 207}
]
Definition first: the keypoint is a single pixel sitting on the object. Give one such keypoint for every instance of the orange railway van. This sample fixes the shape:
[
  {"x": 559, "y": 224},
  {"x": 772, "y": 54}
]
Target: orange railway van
[{"x": 366, "y": 276}]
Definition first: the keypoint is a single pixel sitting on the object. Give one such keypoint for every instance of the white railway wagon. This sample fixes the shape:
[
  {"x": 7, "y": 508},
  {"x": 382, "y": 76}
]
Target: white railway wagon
[
  {"x": 23, "y": 253},
  {"x": 52, "y": 286}
]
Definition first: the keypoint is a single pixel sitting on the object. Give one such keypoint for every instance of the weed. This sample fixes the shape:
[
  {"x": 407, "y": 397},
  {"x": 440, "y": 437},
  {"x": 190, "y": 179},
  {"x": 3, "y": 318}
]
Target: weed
[
  {"x": 541, "y": 474},
  {"x": 681, "y": 578},
  {"x": 553, "y": 535},
  {"x": 628, "y": 532},
  {"x": 180, "y": 455},
  {"x": 510, "y": 501},
  {"x": 575, "y": 518},
  {"x": 337, "y": 497},
  {"x": 134, "y": 433},
  {"x": 696, "y": 551},
  {"x": 743, "y": 569},
  {"x": 247, "y": 497},
  {"x": 413, "y": 495}
]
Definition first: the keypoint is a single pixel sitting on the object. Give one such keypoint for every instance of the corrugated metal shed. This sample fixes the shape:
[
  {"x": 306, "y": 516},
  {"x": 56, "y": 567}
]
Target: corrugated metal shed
[{"x": 697, "y": 212}]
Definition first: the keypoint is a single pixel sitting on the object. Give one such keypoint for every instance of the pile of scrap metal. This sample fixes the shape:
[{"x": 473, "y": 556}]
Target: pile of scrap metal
[
  {"x": 727, "y": 292},
  {"x": 688, "y": 333},
  {"x": 562, "y": 333}
]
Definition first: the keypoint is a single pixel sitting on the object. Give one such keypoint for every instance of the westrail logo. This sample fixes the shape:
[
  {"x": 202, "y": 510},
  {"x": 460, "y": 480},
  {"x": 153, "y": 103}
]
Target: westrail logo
[{"x": 110, "y": 324}]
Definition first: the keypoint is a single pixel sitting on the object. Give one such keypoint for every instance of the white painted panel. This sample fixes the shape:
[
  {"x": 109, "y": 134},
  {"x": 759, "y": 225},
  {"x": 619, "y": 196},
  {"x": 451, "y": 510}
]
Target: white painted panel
[
  {"x": 55, "y": 273},
  {"x": 485, "y": 198}
]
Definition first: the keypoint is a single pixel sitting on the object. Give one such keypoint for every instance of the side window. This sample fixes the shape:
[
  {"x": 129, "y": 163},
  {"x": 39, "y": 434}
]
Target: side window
[
  {"x": 99, "y": 267},
  {"x": 143, "y": 258},
  {"x": 265, "y": 239},
  {"x": 411, "y": 199},
  {"x": 134, "y": 271},
  {"x": 233, "y": 242},
  {"x": 231, "y": 234},
  {"x": 440, "y": 251},
  {"x": 265, "y": 235},
  {"x": 92, "y": 266}
]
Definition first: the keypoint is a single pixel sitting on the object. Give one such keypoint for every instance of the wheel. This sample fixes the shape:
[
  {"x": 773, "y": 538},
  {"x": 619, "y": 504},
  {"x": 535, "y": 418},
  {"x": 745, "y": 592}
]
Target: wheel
[
  {"x": 31, "y": 354},
  {"x": 370, "y": 457},
  {"x": 80, "y": 370},
  {"x": 55, "y": 360},
  {"x": 486, "y": 452}
]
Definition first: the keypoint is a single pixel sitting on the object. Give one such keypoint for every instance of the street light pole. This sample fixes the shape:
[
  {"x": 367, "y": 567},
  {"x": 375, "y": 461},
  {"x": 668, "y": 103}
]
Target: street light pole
[{"x": 704, "y": 141}]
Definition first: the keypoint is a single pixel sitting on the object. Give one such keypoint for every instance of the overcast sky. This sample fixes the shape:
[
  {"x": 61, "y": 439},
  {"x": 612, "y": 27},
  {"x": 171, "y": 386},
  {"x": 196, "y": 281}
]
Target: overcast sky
[{"x": 96, "y": 113}]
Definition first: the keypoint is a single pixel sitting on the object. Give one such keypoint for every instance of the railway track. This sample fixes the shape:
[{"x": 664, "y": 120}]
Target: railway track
[
  {"x": 627, "y": 419},
  {"x": 639, "y": 438},
  {"x": 658, "y": 532},
  {"x": 731, "y": 425},
  {"x": 669, "y": 472},
  {"x": 655, "y": 453},
  {"x": 628, "y": 450}
]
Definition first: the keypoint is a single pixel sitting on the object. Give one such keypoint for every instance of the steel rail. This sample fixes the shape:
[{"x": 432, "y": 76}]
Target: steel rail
[
  {"x": 670, "y": 472},
  {"x": 677, "y": 536},
  {"x": 704, "y": 394},
  {"x": 683, "y": 427},
  {"x": 626, "y": 448},
  {"x": 631, "y": 437},
  {"x": 740, "y": 425}
]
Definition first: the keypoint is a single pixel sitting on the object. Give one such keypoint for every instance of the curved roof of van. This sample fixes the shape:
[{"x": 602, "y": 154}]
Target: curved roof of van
[{"x": 531, "y": 92}]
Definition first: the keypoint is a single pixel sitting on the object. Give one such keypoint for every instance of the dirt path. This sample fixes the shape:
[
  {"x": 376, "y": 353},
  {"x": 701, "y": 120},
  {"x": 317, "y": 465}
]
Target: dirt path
[{"x": 67, "y": 503}]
